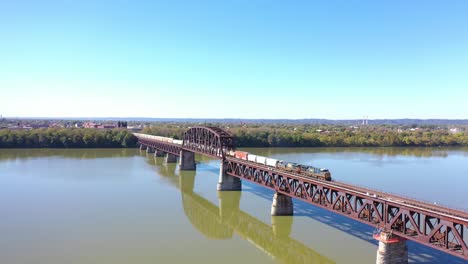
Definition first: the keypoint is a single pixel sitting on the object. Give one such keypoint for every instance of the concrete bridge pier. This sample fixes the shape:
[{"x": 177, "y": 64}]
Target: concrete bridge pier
[
  {"x": 227, "y": 182},
  {"x": 171, "y": 158},
  {"x": 142, "y": 147},
  {"x": 392, "y": 249},
  {"x": 282, "y": 205},
  {"x": 187, "y": 160},
  {"x": 149, "y": 150},
  {"x": 159, "y": 153}
]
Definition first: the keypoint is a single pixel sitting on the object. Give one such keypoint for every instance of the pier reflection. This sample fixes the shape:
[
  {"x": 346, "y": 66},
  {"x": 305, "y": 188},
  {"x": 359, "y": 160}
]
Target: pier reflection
[
  {"x": 23, "y": 154},
  {"x": 418, "y": 152},
  {"x": 224, "y": 220}
]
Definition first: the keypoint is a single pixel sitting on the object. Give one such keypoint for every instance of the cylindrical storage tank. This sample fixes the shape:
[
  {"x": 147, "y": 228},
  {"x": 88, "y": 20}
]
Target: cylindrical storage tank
[{"x": 252, "y": 157}]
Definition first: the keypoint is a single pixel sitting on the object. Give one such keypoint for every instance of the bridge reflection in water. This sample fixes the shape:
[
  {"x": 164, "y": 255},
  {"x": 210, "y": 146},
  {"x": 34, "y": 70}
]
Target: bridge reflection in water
[{"x": 222, "y": 221}]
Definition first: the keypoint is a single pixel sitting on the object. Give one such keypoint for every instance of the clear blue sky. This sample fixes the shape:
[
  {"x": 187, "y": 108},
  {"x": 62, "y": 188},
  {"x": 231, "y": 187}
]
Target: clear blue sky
[{"x": 234, "y": 59}]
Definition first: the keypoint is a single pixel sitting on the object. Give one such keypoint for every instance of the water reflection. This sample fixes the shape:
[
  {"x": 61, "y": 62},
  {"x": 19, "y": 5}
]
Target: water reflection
[
  {"x": 223, "y": 220},
  {"x": 441, "y": 152},
  {"x": 21, "y": 154},
  {"x": 12, "y": 154}
]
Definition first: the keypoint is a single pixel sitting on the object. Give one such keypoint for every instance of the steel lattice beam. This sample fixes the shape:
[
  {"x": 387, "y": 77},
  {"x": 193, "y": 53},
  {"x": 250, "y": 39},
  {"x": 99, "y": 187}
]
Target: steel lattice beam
[
  {"x": 441, "y": 228},
  {"x": 210, "y": 141},
  {"x": 434, "y": 226},
  {"x": 163, "y": 146}
]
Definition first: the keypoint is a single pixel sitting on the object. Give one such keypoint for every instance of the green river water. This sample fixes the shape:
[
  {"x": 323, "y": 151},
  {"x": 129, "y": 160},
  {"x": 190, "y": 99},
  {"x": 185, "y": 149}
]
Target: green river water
[{"x": 61, "y": 206}]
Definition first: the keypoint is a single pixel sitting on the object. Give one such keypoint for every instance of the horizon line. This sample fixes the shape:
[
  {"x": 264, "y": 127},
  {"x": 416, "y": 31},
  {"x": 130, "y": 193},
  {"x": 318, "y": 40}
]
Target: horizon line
[{"x": 225, "y": 118}]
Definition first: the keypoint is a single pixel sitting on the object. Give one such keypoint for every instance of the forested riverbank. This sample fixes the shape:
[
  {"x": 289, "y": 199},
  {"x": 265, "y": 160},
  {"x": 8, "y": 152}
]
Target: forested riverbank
[
  {"x": 329, "y": 136},
  {"x": 67, "y": 138},
  {"x": 267, "y": 135}
]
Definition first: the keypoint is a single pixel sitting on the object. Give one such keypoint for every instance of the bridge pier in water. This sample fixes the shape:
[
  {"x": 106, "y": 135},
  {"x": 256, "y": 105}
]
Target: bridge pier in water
[
  {"x": 187, "y": 160},
  {"x": 227, "y": 182},
  {"x": 159, "y": 153},
  {"x": 435, "y": 220},
  {"x": 392, "y": 249},
  {"x": 171, "y": 158},
  {"x": 149, "y": 150},
  {"x": 282, "y": 205}
]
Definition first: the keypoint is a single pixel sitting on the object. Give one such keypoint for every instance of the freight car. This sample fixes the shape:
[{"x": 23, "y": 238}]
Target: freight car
[
  {"x": 158, "y": 138},
  {"x": 305, "y": 170}
]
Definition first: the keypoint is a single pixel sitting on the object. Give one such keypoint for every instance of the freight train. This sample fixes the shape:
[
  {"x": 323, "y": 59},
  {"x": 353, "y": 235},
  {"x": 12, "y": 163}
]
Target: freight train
[
  {"x": 163, "y": 139},
  {"x": 309, "y": 171}
]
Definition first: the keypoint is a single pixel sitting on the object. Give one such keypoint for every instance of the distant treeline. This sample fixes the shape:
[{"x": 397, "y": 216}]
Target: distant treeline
[
  {"x": 245, "y": 136},
  {"x": 66, "y": 138},
  {"x": 327, "y": 136}
]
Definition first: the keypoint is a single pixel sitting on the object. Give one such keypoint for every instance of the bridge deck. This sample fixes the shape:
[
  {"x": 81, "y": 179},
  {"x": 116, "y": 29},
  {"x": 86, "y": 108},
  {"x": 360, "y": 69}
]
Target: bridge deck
[{"x": 439, "y": 227}]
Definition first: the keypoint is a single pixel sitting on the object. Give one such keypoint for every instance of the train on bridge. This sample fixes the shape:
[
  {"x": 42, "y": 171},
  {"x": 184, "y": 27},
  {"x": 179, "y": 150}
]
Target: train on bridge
[
  {"x": 305, "y": 170},
  {"x": 438, "y": 227},
  {"x": 158, "y": 138}
]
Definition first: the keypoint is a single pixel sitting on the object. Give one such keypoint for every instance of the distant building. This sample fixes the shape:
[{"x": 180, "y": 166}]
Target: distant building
[
  {"x": 90, "y": 125},
  {"x": 39, "y": 126},
  {"x": 98, "y": 126}
]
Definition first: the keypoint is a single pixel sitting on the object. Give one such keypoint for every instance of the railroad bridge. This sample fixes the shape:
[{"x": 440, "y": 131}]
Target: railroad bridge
[
  {"x": 225, "y": 219},
  {"x": 398, "y": 218}
]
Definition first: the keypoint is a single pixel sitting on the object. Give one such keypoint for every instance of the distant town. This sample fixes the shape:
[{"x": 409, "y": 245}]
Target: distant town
[
  {"x": 323, "y": 125},
  {"x": 28, "y": 124},
  {"x": 18, "y": 132}
]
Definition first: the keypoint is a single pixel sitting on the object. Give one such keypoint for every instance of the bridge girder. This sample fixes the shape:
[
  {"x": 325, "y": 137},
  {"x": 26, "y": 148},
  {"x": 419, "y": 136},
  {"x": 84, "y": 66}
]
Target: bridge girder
[
  {"x": 440, "y": 228},
  {"x": 212, "y": 141}
]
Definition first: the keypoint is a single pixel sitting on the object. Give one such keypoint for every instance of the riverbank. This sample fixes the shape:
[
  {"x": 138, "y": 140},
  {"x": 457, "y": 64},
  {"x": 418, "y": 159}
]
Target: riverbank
[
  {"x": 249, "y": 136},
  {"x": 67, "y": 138},
  {"x": 270, "y": 135}
]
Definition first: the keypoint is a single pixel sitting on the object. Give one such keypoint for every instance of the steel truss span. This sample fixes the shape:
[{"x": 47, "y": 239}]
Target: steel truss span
[
  {"x": 441, "y": 228},
  {"x": 437, "y": 227},
  {"x": 211, "y": 141},
  {"x": 160, "y": 145}
]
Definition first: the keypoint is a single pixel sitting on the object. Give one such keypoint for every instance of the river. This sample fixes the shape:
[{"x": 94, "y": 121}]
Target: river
[{"x": 125, "y": 206}]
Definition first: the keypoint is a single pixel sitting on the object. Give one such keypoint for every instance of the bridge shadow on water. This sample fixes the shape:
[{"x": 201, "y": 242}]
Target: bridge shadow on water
[
  {"x": 220, "y": 222},
  {"x": 417, "y": 253}
]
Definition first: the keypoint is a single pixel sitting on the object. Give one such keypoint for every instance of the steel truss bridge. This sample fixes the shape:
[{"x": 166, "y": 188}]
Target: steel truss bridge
[{"x": 441, "y": 228}]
